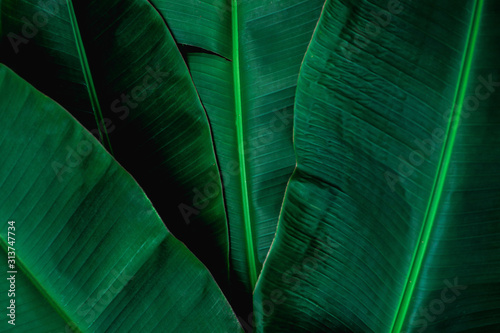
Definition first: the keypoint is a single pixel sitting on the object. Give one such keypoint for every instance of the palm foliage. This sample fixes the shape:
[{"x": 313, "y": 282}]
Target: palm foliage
[
  {"x": 383, "y": 110},
  {"x": 396, "y": 191},
  {"x": 91, "y": 252}
]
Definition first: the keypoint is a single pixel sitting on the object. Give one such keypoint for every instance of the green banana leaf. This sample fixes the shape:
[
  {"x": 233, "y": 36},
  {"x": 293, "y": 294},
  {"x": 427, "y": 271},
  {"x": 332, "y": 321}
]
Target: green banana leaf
[
  {"x": 390, "y": 221},
  {"x": 253, "y": 138},
  {"x": 91, "y": 253},
  {"x": 114, "y": 63},
  {"x": 391, "y": 218},
  {"x": 244, "y": 57}
]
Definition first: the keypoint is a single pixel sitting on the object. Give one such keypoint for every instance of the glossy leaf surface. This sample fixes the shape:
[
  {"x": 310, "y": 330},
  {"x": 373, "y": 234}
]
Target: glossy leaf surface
[
  {"x": 247, "y": 85},
  {"x": 91, "y": 254},
  {"x": 114, "y": 63},
  {"x": 390, "y": 220}
]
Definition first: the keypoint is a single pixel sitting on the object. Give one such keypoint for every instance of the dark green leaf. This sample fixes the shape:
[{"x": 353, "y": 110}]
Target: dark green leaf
[
  {"x": 91, "y": 254},
  {"x": 115, "y": 61},
  {"x": 391, "y": 218},
  {"x": 200, "y": 23},
  {"x": 249, "y": 97}
]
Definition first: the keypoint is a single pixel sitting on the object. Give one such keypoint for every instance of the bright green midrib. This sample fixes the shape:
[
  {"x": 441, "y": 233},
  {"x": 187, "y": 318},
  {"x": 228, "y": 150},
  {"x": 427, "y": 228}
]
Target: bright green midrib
[
  {"x": 241, "y": 148},
  {"x": 20, "y": 266},
  {"x": 442, "y": 170},
  {"x": 96, "y": 107}
]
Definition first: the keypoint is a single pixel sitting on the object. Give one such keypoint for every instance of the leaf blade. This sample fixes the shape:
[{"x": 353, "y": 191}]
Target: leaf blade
[
  {"x": 114, "y": 232},
  {"x": 148, "y": 101},
  {"x": 366, "y": 108},
  {"x": 269, "y": 41}
]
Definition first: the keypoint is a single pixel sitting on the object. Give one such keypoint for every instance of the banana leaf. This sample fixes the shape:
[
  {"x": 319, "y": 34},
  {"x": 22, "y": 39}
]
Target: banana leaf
[
  {"x": 90, "y": 252},
  {"x": 244, "y": 57},
  {"x": 263, "y": 43},
  {"x": 391, "y": 219},
  {"x": 117, "y": 69}
]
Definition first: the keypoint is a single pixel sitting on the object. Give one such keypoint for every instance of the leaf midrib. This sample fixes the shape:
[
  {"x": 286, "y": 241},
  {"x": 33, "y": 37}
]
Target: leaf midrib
[
  {"x": 96, "y": 107},
  {"x": 442, "y": 169},
  {"x": 241, "y": 146}
]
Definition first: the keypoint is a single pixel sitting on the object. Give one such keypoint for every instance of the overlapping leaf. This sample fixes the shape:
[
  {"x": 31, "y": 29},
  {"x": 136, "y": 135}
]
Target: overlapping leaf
[
  {"x": 390, "y": 221},
  {"x": 116, "y": 68},
  {"x": 244, "y": 57},
  {"x": 91, "y": 254}
]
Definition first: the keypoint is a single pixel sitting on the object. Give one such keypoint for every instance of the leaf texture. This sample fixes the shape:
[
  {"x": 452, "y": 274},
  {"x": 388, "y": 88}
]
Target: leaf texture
[
  {"x": 91, "y": 253},
  {"x": 204, "y": 24},
  {"x": 257, "y": 45},
  {"x": 390, "y": 220},
  {"x": 120, "y": 56}
]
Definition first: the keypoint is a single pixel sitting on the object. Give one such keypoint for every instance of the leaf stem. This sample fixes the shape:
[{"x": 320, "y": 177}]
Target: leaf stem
[
  {"x": 444, "y": 162},
  {"x": 96, "y": 107},
  {"x": 241, "y": 147}
]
